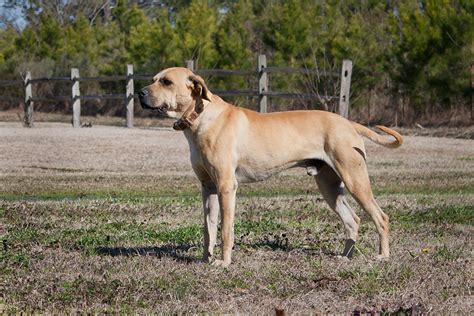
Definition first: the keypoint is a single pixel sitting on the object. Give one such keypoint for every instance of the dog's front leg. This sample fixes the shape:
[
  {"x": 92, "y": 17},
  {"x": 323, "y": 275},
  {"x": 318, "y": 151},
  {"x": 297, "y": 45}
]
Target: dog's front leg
[
  {"x": 211, "y": 212},
  {"x": 227, "y": 190}
]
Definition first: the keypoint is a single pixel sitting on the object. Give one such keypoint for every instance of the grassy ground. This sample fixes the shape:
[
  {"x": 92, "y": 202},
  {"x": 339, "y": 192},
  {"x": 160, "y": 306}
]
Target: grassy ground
[{"x": 109, "y": 219}]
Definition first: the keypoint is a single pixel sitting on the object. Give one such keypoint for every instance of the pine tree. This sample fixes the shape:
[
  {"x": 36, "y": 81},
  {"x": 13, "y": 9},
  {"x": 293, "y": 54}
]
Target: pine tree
[
  {"x": 431, "y": 47},
  {"x": 153, "y": 45},
  {"x": 8, "y": 52},
  {"x": 233, "y": 42},
  {"x": 196, "y": 26}
]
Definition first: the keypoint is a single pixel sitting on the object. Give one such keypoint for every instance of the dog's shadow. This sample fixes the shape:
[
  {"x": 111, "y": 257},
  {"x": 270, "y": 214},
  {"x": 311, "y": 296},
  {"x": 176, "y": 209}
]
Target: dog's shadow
[
  {"x": 178, "y": 252},
  {"x": 170, "y": 250},
  {"x": 275, "y": 242}
]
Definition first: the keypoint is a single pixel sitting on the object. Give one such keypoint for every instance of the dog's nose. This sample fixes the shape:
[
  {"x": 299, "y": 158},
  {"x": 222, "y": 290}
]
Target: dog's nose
[
  {"x": 143, "y": 97},
  {"x": 142, "y": 93}
]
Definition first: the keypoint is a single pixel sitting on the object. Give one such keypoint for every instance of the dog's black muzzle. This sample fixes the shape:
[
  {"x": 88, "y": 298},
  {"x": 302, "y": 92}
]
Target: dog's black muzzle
[{"x": 144, "y": 98}]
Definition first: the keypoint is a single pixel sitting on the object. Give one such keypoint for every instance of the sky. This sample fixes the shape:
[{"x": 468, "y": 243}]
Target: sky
[{"x": 10, "y": 10}]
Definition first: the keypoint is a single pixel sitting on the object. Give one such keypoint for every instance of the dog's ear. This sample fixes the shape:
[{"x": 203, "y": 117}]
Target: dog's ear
[{"x": 199, "y": 88}]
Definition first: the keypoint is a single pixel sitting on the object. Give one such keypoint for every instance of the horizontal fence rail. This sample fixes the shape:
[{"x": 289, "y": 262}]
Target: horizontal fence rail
[
  {"x": 143, "y": 77},
  {"x": 225, "y": 72},
  {"x": 238, "y": 93},
  {"x": 50, "y": 99},
  {"x": 10, "y": 99},
  {"x": 47, "y": 79},
  {"x": 262, "y": 92},
  {"x": 292, "y": 95},
  {"x": 7, "y": 83},
  {"x": 304, "y": 71}
]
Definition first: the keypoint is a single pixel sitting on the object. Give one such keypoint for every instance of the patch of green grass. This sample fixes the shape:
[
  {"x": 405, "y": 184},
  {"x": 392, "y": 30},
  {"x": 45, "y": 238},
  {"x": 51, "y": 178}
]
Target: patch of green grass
[
  {"x": 367, "y": 283},
  {"x": 234, "y": 283},
  {"x": 83, "y": 288},
  {"x": 176, "y": 286},
  {"x": 194, "y": 196},
  {"x": 459, "y": 214},
  {"x": 415, "y": 189},
  {"x": 136, "y": 196},
  {"x": 280, "y": 283},
  {"x": 118, "y": 196},
  {"x": 18, "y": 258},
  {"x": 181, "y": 235},
  {"x": 22, "y": 235},
  {"x": 467, "y": 158},
  {"x": 406, "y": 273},
  {"x": 125, "y": 233},
  {"x": 446, "y": 253},
  {"x": 265, "y": 225},
  {"x": 66, "y": 292},
  {"x": 346, "y": 274},
  {"x": 108, "y": 234}
]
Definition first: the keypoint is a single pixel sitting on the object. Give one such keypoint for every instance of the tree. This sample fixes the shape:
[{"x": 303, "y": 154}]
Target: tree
[
  {"x": 234, "y": 37},
  {"x": 358, "y": 36},
  {"x": 233, "y": 42},
  {"x": 431, "y": 46},
  {"x": 153, "y": 44},
  {"x": 196, "y": 27},
  {"x": 64, "y": 12},
  {"x": 287, "y": 31},
  {"x": 7, "y": 52}
]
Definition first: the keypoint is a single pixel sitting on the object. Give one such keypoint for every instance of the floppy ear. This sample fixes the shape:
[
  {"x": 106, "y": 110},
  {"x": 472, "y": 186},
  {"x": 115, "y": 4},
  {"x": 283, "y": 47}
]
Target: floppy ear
[{"x": 199, "y": 87}]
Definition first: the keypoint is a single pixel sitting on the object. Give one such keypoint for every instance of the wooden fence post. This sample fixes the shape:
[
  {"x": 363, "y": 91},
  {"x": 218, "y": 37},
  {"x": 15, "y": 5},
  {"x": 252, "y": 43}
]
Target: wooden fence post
[
  {"x": 345, "y": 88},
  {"x": 29, "y": 120},
  {"x": 76, "y": 101},
  {"x": 472, "y": 87},
  {"x": 262, "y": 83},
  {"x": 129, "y": 101},
  {"x": 190, "y": 64}
]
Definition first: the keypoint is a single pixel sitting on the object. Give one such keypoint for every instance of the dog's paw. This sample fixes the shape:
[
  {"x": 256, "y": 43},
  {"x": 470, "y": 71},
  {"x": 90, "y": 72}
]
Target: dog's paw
[
  {"x": 342, "y": 258},
  {"x": 220, "y": 263},
  {"x": 381, "y": 257},
  {"x": 207, "y": 258}
]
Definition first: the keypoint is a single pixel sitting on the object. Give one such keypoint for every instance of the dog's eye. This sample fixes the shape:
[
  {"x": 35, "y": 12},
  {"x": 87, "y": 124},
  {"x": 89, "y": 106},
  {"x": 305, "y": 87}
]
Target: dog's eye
[{"x": 165, "y": 82}]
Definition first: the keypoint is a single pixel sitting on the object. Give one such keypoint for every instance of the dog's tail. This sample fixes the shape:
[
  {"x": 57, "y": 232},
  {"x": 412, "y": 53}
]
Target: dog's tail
[{"x": 376, "y": 138}]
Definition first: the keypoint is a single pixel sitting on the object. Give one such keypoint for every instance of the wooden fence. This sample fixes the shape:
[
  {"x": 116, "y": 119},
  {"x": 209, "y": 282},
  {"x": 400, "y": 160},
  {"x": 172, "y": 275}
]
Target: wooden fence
[{"x": 261, "y": 73}]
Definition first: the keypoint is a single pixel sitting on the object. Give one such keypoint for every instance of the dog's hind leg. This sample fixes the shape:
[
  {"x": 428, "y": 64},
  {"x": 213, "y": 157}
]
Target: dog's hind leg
[
  {"x": 211, "y": 212},
  {"x": 353, "y": 171},
  {"x": 332, "y": 189}
]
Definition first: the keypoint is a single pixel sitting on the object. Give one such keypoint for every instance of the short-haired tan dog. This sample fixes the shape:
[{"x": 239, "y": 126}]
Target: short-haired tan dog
[{"x": 231, "y": 145}]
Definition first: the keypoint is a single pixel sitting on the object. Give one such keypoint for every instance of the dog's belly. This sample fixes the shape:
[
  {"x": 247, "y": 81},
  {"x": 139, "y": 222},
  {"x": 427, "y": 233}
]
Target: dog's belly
[{"x": 246, "y": 174}]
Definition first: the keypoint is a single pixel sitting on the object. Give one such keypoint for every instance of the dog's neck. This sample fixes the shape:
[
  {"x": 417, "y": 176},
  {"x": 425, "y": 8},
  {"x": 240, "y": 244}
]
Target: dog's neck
[
  {"x": 189, "y": 116},
  {"x": 197, "y": 117},
  {"x": 208, "y": 117}
]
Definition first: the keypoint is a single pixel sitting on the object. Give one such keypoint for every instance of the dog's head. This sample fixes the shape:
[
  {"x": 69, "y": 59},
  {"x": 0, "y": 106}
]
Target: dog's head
[{"x": 173, "y": 91}]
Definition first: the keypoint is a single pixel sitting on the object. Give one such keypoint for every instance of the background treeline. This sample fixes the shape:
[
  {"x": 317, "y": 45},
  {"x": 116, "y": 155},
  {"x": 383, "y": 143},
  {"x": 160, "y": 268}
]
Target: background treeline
[{"x": 413, "y": 59}]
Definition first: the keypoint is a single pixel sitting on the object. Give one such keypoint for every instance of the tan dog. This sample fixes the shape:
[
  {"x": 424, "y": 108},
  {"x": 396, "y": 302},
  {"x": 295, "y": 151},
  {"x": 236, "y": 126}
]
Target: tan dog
[{"x": 231, "y": 145}]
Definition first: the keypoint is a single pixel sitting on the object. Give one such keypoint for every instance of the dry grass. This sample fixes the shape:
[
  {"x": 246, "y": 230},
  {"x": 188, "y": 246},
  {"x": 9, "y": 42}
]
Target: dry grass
[{"x": 108, "y": 219}]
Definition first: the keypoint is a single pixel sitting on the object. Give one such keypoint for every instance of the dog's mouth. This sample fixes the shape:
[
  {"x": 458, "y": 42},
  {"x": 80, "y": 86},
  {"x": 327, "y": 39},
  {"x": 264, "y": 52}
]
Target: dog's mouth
[{"x": 158, "y": 110}]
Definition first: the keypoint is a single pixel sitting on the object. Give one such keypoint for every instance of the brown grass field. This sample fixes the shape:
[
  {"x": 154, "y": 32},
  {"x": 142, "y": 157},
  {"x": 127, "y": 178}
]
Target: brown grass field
[{"x": 108, "y": 219}]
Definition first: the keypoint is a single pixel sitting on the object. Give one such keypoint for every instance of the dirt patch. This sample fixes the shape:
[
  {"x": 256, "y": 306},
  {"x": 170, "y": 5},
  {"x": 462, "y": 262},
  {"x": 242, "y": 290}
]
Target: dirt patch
[{"x": 52, "y": 148}]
